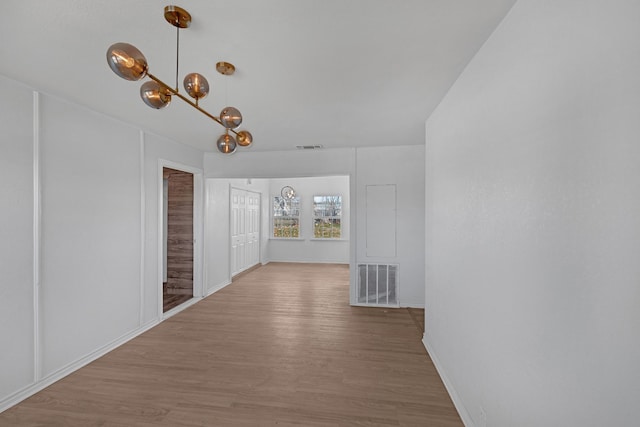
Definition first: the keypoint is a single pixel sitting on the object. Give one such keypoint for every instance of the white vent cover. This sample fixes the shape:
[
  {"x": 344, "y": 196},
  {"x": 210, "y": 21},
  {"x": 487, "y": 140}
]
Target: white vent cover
[
  {"x": 308, "y": 147},
  {"x": 378, "y": 284}
]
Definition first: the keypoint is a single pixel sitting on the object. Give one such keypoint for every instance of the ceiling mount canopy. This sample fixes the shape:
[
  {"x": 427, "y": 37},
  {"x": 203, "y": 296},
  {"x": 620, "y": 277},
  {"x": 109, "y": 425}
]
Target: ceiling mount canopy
[{"x": 129, "y": 63}]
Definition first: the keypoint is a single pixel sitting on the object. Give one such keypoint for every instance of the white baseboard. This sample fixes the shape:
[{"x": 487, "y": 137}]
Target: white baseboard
[
  {"x": 179, "y": 308},
  {"x": 217, "y": 288},
  {"x": 308, "y": 261},
  {"x": 411, "y": 305},
  {"x": 457, "y": 402},
  {"x": 19, "y": 396},
  {"x": 358, "y": 304}
]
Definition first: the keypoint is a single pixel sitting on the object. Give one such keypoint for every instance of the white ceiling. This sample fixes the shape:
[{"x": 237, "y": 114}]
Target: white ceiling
[{"x": 331, "y": 72}]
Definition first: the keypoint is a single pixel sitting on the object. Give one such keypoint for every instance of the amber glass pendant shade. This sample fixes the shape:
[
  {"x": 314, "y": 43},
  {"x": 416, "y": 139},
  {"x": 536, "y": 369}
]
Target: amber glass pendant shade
[
  {"x": 127, "y": 61},
  {"x": 230, "y": 117},
  {"x": 196, "y": 85},
  {"x": 154, "y": 95},
  {"x": 226, "y": 144},
  {"x": 244, "y": 138}
]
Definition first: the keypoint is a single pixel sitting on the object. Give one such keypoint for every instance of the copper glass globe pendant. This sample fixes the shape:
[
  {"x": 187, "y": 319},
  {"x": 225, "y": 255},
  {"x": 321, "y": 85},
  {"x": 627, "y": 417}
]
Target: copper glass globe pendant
[{"x": 129, "y": 63}]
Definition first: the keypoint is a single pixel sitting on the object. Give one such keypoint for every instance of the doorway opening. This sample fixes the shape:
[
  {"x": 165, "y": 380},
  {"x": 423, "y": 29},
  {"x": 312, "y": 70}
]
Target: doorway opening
[{"x": 178, "y": 248}]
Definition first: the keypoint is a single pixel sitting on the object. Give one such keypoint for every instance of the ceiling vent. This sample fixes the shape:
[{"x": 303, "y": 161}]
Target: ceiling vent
[{"x": 308, "y": 147}]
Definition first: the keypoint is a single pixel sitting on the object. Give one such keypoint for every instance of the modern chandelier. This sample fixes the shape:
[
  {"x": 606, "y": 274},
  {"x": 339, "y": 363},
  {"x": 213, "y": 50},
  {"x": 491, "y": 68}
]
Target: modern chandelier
[{"x": 129, "y": 63}]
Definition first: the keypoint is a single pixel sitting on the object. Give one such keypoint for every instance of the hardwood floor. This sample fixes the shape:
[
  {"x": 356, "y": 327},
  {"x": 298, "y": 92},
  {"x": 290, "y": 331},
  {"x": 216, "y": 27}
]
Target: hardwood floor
[{"x": 279, "y": 346}]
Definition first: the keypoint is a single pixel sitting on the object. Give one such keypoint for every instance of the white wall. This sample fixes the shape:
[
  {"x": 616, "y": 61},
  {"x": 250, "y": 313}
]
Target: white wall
[
  {"x": 533, "y": 237},
  {"x": 404, "y": 168},
  {"x": 17, "y": 356},
  {"x": 90, "y": 231},
  {"x": 402, "y": 165},
  {"x": 306, "y": 248},
  {"x": 78, "y": 247}
]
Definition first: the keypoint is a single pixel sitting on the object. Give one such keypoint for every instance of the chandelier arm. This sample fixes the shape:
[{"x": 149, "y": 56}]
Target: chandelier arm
[{"x": 187, "y": 100}]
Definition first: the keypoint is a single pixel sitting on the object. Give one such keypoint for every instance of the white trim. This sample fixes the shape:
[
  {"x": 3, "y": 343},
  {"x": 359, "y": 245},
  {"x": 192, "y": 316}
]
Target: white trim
[
  {"x": 142, "y": 229},
  {"x": 353, "y": 230},
  {"x": 457, "y": 402},
  {"x": 229, "y": 234},
  {"x": 160, "y": 234},
  {"x": 205, "y": 227},
  {"x": 217, "y": 288},
  {"x": 179, "y": 308},
  {"x": 198, "y": 234},
  {"x": 37, "y": 225},
  {"x": 327, "y": 239},
  {"x": 314, "y": 217},
  {"x": 359, "y": 304},
  {"x": 411, "y": 305},
  {"x": 57, "y": 375}
]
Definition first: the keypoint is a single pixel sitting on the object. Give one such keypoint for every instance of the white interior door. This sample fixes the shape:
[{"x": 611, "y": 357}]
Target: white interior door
[
  {"x": 245, "y": 230},
  {"x": 238, "y": 230},
  {"x": 253, "y": 229}
]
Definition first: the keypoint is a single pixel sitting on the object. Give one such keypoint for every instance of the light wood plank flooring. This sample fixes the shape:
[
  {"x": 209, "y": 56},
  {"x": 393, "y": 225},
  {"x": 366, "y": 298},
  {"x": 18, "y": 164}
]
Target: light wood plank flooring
[{"x": 279, "y": 346}]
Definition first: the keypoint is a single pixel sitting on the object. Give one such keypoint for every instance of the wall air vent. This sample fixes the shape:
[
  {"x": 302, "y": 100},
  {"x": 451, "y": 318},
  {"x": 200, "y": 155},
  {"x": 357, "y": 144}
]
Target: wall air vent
[
  {"x": 308, "y": 147},
  {"x": 378, "y": 284}
]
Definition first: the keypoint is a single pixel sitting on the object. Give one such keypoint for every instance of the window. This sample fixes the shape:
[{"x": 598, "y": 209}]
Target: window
[
  {"x": 286, "y": 217},
  {"x": 327, "y": 213}
]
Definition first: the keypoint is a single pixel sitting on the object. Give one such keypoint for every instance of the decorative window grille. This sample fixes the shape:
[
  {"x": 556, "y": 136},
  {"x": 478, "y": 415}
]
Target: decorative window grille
[
  {"x": 327, "y": 216},
  {"x": 286, "y": 217},
  {"x": 378, "y": 284}
]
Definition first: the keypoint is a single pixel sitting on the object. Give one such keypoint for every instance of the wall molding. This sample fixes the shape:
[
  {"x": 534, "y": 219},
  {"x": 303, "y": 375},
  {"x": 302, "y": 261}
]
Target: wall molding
[
  {"x": 57, "y": 375},
  {"x": 37, "y": 225},
  {"x": 143, "y": 214},
  {"x": 457, "y": 401}
]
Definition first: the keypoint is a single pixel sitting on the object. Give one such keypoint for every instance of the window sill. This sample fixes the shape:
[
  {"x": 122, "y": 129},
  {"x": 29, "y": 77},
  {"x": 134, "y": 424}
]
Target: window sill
[
  {"x": 288, "y": 239},
  {"x": 327, "y": 239}
]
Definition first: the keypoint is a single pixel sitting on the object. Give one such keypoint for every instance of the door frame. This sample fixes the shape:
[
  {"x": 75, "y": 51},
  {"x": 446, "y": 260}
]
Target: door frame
[{"x": 198, "y": 206}]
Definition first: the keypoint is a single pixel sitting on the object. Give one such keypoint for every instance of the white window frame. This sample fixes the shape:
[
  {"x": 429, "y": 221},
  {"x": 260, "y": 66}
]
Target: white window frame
[
  {"x": 295, "y": 214},
  {"x": 316, "y": 218}
]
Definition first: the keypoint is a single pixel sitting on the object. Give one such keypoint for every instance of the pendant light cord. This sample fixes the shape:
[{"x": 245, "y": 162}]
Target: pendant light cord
[{"x": 177, "y": 53}]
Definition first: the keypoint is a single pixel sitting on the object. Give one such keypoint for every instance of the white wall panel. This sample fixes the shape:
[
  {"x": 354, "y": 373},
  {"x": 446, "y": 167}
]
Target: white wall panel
[
  {"x": 533, "y": 231},
  {"x": 90, "y": 231},
  {"x": 99, "y": 186},
  {"x": 16, "y": 237},
  {"x": 381, "y": 221},
  {"x": 402, "y": 167}
]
